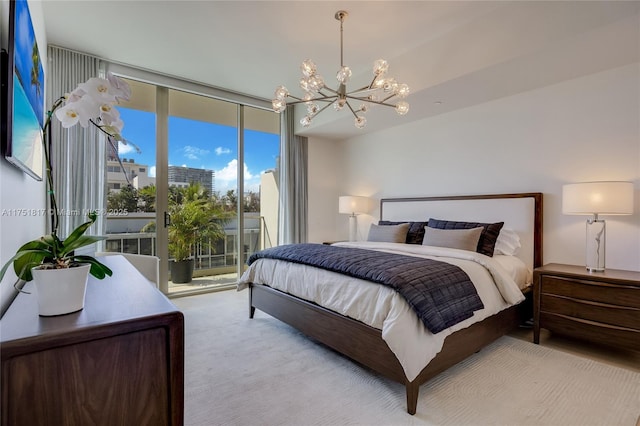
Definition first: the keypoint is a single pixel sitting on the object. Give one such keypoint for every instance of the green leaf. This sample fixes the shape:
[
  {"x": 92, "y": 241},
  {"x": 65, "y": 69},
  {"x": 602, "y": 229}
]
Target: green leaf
[
  {"x": 80, "y": 230},
  {"x": 80, "y": 241},
  {"x": 24, "y": 260},
  {"x": 98, "y": 269}
]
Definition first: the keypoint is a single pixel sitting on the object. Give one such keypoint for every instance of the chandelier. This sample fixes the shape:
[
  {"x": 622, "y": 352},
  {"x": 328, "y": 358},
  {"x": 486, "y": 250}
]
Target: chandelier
[{"x": 381, "y": 91}]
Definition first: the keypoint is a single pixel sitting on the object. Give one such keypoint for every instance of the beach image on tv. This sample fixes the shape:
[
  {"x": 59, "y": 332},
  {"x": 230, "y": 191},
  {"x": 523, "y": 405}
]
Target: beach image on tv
[{"x": 28, "y": 93}]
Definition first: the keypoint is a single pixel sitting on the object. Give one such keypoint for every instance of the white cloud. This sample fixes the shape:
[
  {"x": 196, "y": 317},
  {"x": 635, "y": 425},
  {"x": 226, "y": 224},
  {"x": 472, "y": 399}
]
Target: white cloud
[
  {"x": 220, "y": 150},
  {"x": 194, "y": 153},
  {"x": 226, "y": 178},
  {"x": 125, "y": 149}
]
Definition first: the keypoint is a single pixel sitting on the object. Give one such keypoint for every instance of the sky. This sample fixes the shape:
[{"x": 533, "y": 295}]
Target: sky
[{"x": 201, "y": 145}]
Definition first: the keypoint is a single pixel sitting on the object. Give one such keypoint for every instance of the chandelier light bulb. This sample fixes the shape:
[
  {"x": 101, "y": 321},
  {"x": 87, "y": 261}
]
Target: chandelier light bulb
[
  {"x": 380, "y": 67},
  {"x": 360, "y": 122},
  {"x": 316, "y": 83},
  {"x": 281, "y": 93},
  {"x": 306, "y": 121},
  {"x": 403, "y": 90},
  {"x": 402, "y": 108},
  {"x": 304, "y": 85},
  {"x": 308, "y": 68},
  {"x": 312, "y": 109},
  {"x": 344, "y": 75},
  {"x": 318, "y": 96},
  {"x": 389, "y": 85},
  {"x": 279, "y": 105}
]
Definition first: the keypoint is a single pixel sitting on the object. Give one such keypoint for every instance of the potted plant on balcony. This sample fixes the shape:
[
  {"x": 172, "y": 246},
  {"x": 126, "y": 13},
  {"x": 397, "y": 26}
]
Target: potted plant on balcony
[
  {"x": 59, "y": 273},
  {"x": 193, "y": 219}
]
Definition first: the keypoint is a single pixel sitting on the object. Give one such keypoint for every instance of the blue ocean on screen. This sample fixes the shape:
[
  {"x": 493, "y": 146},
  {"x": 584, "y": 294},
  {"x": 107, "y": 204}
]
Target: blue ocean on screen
[{"x": 26, "y": 132}]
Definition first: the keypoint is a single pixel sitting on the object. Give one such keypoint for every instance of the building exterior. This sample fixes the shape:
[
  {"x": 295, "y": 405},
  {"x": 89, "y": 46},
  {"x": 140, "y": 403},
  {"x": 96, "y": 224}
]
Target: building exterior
[
  {"x": 138, "y": 174},
  {"x": 183, "y": 176}
]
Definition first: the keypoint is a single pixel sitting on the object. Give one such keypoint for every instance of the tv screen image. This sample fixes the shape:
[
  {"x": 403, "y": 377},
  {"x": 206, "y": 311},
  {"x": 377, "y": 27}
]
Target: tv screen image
[{"x": 25, "y": 94}]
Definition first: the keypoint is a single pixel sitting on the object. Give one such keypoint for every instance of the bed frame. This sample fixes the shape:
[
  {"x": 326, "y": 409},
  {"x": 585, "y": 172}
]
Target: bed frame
[{"x": 364, "y": 344}]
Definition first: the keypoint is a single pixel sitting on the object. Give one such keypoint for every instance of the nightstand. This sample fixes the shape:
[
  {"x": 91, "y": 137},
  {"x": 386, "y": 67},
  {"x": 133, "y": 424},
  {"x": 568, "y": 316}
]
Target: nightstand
[{"x": 601, "y": 307}]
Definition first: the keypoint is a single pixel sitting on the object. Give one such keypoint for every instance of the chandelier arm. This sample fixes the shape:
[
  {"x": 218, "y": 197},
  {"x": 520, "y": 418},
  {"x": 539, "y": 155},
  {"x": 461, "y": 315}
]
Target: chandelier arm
[
  {"x": 324, "y": 107},
  {"x": 323, "y": 99},
  {"x": 329, "y": 99},
  {"x": 329, "y": 89},
  {"x": 296, "y": 98},
  {"x": 362, "y": 89},
  {"x": 389, "y": 97},
  {"x": 375, "y": 77},
  {"x": 371, "y": 102},
  {"x": 352, "y": 111}
]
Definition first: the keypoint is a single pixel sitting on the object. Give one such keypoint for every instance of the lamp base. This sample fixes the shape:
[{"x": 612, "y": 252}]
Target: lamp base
[
  {"x": 596, "y": 242},
  {"x": 353, "y": 227}
]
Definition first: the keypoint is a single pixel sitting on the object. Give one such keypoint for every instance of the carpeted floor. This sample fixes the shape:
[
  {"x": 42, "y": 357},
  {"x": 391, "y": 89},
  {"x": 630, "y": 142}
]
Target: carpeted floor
[{"x": 262, "y": 372}]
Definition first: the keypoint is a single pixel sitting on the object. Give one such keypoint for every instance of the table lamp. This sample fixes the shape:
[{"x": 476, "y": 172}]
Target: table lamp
[
  {"x": 597, "y": 198},
  {"x": 353, "y": 205}
]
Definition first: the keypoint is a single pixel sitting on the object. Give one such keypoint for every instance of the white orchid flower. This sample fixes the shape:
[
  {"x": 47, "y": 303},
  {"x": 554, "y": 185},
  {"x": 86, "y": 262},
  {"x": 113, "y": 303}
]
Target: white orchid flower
[
  {"x": 119, "y": 87},
  {"x": 108, "y": 114},
  {"x": 68, "y": 115},
  {"x": 99, "y": 89},
  {"x": 75, "y": 96},
  {"x": 113, "y": 127}
]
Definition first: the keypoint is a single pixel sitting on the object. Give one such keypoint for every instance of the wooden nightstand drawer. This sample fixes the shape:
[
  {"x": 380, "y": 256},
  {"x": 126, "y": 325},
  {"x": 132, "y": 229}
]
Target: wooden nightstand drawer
[
  {"x": 613, "y": 294},
  {"x": 622, "y": 316},
  {"x": 592, "y": 331}
]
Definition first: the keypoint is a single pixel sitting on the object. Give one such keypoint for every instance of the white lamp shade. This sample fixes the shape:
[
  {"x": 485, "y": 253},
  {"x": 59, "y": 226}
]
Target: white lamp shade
[
  {"x": 349, "y": 204},
  {"x": 606, "y": 198}
]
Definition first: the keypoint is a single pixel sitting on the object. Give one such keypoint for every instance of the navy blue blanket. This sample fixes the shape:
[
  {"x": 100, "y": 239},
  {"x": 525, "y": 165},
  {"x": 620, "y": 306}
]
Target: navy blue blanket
[{"x": 441, "y": 294}]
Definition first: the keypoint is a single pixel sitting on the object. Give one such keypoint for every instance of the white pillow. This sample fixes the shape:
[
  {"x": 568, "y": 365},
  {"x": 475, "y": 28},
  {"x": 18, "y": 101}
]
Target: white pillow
[
  {"x": 508, "y": 242},
  {"x": 462, "y": 239},
  {"x": 388, "y": 233}
]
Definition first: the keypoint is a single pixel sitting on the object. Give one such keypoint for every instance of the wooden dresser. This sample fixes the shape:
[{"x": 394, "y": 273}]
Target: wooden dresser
[
  {"x": 119, "y": 361},
  {"x": 602, "y": 307}
]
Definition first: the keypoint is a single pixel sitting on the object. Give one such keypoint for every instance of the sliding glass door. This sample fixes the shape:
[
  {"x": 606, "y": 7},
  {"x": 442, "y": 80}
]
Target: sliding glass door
[{"x": 203, "y": 189}]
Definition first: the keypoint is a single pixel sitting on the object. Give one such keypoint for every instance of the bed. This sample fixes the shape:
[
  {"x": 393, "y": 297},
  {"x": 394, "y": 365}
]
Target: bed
[{"x": 410, "y": 355}]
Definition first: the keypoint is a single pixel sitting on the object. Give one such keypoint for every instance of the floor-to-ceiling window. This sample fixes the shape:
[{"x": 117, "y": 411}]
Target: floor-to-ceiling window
[{"x": 202, "y": 190}]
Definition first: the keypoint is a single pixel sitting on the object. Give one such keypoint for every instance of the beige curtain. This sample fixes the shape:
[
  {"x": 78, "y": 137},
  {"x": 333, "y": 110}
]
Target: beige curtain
[{"x": 78, "y": 155}]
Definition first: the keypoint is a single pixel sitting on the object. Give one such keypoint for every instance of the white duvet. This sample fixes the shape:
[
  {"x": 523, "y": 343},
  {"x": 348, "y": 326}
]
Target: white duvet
[{"x": 380, "y": 306}]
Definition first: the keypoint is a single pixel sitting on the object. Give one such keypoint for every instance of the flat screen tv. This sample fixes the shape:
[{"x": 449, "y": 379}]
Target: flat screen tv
[{"x": 24, "y": 94}]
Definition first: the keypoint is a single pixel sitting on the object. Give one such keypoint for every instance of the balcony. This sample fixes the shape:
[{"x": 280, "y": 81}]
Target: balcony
[{"x": 215, "y": 264}]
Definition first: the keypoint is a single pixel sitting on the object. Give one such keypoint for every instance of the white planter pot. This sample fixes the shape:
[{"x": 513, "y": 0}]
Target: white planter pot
[{"x": 60, "y": 291}]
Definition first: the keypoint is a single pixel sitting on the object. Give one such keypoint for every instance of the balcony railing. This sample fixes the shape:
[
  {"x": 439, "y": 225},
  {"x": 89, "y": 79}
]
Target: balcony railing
[{"x": 217, "y": 257}]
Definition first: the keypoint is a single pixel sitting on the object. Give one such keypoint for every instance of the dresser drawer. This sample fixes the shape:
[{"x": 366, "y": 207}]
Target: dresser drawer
[
  {"x": 622, "y": 316},
  {"x": 608, "y": 293}
]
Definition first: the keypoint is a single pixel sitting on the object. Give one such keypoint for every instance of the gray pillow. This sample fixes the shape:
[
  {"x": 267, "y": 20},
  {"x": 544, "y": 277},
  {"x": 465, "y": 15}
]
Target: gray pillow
[
  {"x": 463, "y": 239},
  {"x": 488, "y": 237},
  {"x": 388, "y": 233}
]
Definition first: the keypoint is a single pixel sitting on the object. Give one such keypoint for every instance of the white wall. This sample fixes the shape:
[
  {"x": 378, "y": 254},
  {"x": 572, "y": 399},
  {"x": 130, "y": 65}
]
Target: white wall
[
  {"x": 17, "y": 190},
  {"x": 324, "y": 178},
  {"x": 579, "y": 130}
]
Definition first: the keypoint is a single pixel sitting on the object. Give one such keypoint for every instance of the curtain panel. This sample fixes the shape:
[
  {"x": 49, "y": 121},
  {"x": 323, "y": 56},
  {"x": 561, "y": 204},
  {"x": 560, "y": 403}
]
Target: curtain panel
[
  {"x": 292, "y": 226},
  {"x": 78, "y": 154}
]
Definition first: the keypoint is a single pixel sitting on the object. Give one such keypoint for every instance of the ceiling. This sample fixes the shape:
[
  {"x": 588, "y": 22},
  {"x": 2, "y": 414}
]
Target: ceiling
[{"x": 452, "y": 54}]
